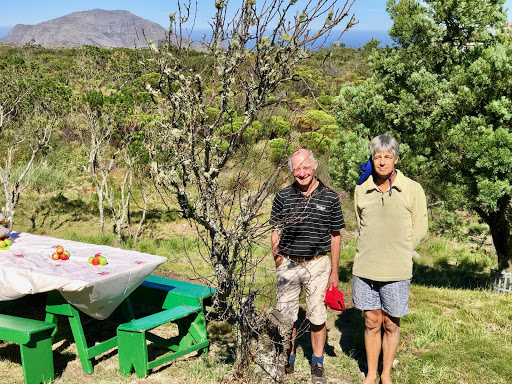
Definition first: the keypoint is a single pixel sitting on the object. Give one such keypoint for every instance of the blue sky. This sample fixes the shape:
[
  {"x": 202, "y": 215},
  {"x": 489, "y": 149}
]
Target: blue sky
[{"x": 371, "y": 14}]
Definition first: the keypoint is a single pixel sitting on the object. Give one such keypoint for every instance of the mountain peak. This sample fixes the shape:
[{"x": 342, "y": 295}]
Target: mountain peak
[{"x": 100, "y": 27}]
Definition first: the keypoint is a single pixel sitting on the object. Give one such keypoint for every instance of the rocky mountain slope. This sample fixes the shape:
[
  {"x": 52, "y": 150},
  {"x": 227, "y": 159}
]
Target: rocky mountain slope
[{"x": 96, "y": 27}]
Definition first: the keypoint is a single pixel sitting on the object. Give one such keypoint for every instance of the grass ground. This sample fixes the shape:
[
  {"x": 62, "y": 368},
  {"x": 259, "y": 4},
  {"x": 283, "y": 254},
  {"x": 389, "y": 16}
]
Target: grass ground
[{"x": 457, "y": 331}]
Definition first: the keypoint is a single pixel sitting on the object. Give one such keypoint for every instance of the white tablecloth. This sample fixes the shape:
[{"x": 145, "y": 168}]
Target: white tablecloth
[{"x": 28, "y": 268}]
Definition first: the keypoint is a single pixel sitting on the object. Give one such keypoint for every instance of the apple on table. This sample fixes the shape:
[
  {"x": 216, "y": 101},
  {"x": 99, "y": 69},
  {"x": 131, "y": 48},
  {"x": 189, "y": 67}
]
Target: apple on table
[
  {"x": 97, "y": 259},
  {"x": 60, "y": 253},
  {"x": 5, "y": 242}
]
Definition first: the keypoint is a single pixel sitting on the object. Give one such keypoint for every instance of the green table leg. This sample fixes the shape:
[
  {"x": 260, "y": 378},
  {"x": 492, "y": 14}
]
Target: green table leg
[{"x": 58, "y": 306}]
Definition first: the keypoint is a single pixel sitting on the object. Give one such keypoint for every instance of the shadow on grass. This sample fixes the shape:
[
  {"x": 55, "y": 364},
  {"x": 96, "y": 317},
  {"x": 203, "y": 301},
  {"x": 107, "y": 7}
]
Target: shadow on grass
[
  {"x": 351, "y": 325},
  {"x": 465, "y": 275},
  {"x": 56, "y": 211}
]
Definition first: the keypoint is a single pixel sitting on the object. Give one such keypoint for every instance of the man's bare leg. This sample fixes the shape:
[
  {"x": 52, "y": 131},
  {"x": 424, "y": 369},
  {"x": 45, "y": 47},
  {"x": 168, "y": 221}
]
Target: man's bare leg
[
  {"x": 292, "y": 344},
  {"x": 390, "y": 342},
  {"x": 318, "y": 337},
  {"x": 373, "y": 343}
]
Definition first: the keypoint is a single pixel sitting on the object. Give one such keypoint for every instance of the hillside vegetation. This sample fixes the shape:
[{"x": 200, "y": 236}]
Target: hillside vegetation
[{"x": 100, "y": 107}]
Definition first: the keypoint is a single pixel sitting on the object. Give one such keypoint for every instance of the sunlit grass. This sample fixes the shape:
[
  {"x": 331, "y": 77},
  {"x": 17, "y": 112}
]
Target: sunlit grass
[
  {"x": 456, "y": 336},
  {"x": 457, "y": 331}
]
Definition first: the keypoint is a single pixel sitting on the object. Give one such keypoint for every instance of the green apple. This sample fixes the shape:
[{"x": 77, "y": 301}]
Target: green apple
[
  {"x": 103, "y": 260},
  {"x": 8, "y": 242},
  {"x": 3, "y": 244},
  {"x": 90, "y": 259}
]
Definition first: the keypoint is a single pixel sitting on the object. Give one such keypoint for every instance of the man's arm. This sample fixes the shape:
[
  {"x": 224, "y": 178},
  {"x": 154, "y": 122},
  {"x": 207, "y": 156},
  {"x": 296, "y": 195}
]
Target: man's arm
[
  {"x": 419, "y": 217},
  {"x": 278, "y": 259},
  {"x": 356, "y": 210},
  {"x": 335, "y": 258}
]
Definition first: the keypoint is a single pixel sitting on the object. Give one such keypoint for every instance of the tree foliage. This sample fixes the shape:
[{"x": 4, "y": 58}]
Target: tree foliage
[{"x": 445, "y": 91}]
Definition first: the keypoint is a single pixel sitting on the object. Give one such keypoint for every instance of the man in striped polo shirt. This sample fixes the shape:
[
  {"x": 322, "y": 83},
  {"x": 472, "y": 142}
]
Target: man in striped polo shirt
[{"x": 306, "y": 218}]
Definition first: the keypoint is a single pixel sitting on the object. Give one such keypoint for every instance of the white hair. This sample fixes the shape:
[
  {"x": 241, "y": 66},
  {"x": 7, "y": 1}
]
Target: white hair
[
  {"x": 311, "y": 156},
  {"x": 384, "y": 143}
]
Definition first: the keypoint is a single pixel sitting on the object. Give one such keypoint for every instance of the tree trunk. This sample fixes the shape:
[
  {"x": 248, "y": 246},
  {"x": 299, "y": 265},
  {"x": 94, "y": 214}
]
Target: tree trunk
[
  {"x": 500, "y": 225},
  {"x": 243, "y": 346},
  {"x": 99, "y": 192},
  {"x": 273, "y": 342}
]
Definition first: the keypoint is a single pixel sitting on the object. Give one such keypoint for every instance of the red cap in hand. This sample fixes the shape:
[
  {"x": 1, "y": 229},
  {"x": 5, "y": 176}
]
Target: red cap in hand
[{"x": 334, "y": 299}]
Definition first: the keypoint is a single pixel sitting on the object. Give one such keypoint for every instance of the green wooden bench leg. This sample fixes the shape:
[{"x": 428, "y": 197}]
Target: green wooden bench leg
[
  {"x": 37, "y": 361},
  {"x": 192, "y": 330},
  {"x": 133, "y": 353}
]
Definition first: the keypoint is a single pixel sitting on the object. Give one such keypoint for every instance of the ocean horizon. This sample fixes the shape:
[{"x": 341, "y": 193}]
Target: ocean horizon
[{"x": 352, "y": 38}]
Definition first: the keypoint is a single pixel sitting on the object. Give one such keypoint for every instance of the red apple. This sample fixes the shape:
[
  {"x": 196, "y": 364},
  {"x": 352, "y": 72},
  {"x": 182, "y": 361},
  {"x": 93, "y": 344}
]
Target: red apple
[
  {"x": 55, "y": 256},
  {"x": 95, "y": 261},
  {"x": 64, "y": 256},
  {"x": 59, "y": 250}
]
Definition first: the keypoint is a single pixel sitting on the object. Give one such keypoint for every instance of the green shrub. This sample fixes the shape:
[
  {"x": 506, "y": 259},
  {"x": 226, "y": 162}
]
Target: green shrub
[
  {"x": 313, "y": 120},
  {"x": 326, "y": 100},
  {"x": 212, "y": 113},
  {"x": 234, "y": 126},
  {"x": 279, "y": 149},
  {"x": 318, "y": 141},
  {"x": 451, "y": 225},
  {"x": 278, "y": 127}
]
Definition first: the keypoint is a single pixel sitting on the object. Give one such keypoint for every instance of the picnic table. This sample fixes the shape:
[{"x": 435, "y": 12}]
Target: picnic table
[
  {"x": 74, "y": 286},
  {"x": 28, "y": 268}
]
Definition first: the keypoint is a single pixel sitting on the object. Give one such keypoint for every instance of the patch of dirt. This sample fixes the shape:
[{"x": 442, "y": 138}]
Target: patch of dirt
[{"x": 449, "y": 311}]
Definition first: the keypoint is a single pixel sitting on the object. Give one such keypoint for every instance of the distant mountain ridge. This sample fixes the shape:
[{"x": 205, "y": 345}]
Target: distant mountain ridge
[{"x": 95, "y": 27}]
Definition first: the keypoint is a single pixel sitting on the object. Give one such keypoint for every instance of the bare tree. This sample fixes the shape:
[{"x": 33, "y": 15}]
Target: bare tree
[
  {"x": 192, "y": 154},
  {"x": 112, "y": 123},
  {"x": 101, "y": 155},
  {"x": 30, "y": 107}
]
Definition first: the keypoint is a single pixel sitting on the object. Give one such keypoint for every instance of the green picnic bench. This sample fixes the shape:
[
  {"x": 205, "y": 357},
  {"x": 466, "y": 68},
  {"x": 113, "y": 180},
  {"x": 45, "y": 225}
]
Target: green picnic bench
[
  {"x": 34, "y": 338},
  {"x": 169, "y": 293},
  {"x": 181, "y": 303}
]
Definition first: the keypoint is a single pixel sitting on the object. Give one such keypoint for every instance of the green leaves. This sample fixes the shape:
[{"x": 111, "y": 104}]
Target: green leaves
[{"x": 446, "y": 93}]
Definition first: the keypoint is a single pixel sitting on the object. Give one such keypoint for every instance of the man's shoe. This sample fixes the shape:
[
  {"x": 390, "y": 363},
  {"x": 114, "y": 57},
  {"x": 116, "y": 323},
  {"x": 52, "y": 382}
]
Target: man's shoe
[
  {"x": 317, "y": 373},
  {"x": 289, "y": 368}
]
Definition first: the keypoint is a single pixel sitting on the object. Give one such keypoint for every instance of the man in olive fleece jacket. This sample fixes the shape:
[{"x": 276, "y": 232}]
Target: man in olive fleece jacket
[{"x": 391, "y": 214}]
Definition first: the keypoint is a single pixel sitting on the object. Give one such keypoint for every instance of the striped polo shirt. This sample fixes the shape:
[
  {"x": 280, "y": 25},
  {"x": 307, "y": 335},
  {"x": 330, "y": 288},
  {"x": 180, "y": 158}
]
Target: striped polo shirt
[{"x": 306, "y": 222}]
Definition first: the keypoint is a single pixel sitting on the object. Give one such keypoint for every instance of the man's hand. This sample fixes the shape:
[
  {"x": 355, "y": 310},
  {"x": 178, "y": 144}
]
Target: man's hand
[
  {"x": 334, "y": 281},
  {"x": 278, "y": 259},
  {"x": 335, "y": 257}
]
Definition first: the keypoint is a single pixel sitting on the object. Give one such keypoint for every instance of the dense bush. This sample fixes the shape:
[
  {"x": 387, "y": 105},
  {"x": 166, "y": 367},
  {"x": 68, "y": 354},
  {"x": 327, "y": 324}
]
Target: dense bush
[{"x": 313, "y": 120}]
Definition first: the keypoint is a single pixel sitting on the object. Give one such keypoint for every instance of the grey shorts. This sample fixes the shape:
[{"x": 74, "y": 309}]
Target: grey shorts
[{"x": 390, "y": 296}]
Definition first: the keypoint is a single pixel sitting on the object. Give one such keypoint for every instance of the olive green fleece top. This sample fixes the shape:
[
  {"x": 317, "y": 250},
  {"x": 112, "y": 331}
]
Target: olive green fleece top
[{"x": 390, "y": 228}]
